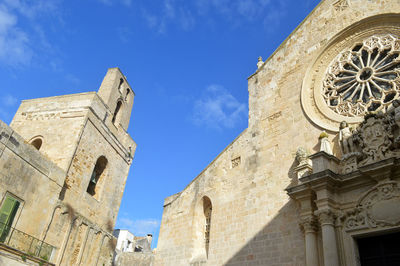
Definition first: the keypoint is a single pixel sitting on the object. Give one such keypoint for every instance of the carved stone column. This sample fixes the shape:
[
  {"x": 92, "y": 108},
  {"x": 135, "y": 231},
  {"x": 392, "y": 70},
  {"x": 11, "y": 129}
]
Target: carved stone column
[
  {"x": 329, "y": 243},
  {"x": 309, "y": 225}
]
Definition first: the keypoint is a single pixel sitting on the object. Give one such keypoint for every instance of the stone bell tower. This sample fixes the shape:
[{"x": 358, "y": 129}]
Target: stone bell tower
[
  {"x": 118, "y": 96},
  {"x": 86, "y": 135}
]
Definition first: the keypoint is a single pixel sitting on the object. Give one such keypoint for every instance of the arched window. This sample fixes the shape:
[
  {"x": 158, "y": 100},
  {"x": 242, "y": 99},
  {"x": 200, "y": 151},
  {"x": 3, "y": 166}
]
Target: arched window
[
  {"x": 201, "y": 231},
  {"x": 117, "y": 108},
  {"x": 37, "y": 143},
  {"x": 207, "y": 207},
  {"x": 127, "y": 94},
  {"x": 97, "y": 174}
]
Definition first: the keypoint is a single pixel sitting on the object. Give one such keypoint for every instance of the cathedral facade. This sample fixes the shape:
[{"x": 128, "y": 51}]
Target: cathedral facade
[
  {"x": 64, "y": 161},
  {"x": 314, "y": 179}
]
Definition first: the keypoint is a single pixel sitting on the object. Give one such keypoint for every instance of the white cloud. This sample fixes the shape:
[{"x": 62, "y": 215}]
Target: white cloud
[
  {"x": 172, "y": 12},
  {"x": 14, "y": 48},
  {"x": 139, "y": 227},
  {"x": 218, "y": 109},
  {"x": 32, "y": 9},
  {"x": 151, "y": 20},
  {"x": 186, "y": 14},
  {"x": 18, "y": 46}
]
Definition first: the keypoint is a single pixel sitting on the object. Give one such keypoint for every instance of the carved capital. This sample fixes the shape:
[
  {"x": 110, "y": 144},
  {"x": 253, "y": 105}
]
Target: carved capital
[
  {"x": 309, "y": 224},
  {"x": 326, "y": 217}
]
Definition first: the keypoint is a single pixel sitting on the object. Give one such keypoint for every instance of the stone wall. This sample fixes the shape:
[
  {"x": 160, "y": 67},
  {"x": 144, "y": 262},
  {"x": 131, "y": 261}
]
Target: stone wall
[
  {"x": 52, "y": 182},
  {"x": 34, "y": 180},
  {"x": 48, "y": 118},
  {"x": 134, "y": 258},
  {"x": 253, "y": 221}
]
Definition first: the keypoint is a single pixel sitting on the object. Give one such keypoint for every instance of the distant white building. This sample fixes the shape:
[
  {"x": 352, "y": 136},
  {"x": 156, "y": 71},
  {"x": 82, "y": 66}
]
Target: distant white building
[
  {"x": 132, "y": 250},
  {"x": 125, "y": 241}
]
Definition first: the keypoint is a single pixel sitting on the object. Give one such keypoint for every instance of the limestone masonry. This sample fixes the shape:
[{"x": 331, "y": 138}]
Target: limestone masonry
[
  {"x": 314, "y": 180},
  {"x": 64, "y": 161},
  {"x": 298, "y": 186}
]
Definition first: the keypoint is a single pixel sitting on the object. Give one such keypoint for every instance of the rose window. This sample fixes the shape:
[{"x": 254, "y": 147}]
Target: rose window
[{"x": 365, "y": 78}]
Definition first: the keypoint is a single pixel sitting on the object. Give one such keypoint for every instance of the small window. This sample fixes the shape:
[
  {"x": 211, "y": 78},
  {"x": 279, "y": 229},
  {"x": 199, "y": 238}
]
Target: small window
[
  {"x": 117, "y": 108},
  {"x": 37, "y": 143},
  {"x": 127, "y": 94},
  {"x": 207, "y": 207},
  {"x": 121, "y": 81},
  {"x": 7, "y": 214},
  {"x": 93, "y": 188}
]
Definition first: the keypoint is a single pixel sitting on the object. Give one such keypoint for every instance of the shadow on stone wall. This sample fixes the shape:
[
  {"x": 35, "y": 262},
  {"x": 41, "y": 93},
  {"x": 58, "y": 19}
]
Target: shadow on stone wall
[{"x": 280, "y": 242}]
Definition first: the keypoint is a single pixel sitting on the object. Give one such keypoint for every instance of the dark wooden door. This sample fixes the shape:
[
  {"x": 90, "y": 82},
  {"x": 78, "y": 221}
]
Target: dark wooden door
[{"x": 381, "y": 250}]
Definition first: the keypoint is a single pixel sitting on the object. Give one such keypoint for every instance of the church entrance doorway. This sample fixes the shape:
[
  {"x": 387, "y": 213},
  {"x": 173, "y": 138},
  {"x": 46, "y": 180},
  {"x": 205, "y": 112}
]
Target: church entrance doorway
[{"x": 383, "y": 250}]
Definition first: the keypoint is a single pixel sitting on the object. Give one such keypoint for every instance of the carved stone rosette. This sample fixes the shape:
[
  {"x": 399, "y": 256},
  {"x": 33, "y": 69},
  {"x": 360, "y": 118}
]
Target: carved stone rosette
[{"x": 364, "y": 78}]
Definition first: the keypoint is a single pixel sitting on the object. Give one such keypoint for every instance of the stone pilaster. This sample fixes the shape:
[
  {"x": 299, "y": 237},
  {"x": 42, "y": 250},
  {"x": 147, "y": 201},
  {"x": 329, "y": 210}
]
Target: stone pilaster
[
  {"x": 327, "y": 221},
  {"x": 309, "y": 224}
]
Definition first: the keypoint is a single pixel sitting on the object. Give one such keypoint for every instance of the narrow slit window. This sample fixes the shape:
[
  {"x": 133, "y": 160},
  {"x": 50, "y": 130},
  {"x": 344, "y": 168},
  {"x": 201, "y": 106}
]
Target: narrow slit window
[
  {"x": 127, "y": 94},
  {"x": 117, "y": 109},
  {"x": 121, "y": 81},
  {"x": 207, "y": 207}
]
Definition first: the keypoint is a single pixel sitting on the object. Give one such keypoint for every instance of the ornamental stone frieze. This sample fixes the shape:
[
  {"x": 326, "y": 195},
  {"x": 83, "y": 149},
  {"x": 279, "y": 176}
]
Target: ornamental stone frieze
[{"x": 379, "y": 207}]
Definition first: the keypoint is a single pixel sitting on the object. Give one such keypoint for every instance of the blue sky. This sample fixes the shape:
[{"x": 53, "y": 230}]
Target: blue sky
[{"x": 187, "y": 61}]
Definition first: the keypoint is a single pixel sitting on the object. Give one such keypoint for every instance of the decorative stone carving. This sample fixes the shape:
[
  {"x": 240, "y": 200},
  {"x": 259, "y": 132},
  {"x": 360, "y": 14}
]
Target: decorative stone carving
[
  {"x": 346, "y": 138},
  {"x": 236, "y": 162},
  {"x": 260, "y": 62},
  {"x": 326, "y": 216},
  {"x": 375, "y": 133},
  {"x": 364, "y": 78},
  {"x": 376, "y": 138},
  {"x": 309, "y": 224},
  {"x": 325, "y": 143},
  {"x": 349, "y": 163},
  {"x": 301, "y": 156},
  {"x": 341, "y": 5},
  {"x": 343, "y": 92},
  {"x": 305, "y": 167},
  {"x": 379, "y": 207}
]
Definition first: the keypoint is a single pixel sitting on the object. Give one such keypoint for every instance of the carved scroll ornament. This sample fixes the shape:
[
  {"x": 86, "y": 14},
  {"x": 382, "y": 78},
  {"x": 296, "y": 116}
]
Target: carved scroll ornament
[{"x": 379, "y": 207}]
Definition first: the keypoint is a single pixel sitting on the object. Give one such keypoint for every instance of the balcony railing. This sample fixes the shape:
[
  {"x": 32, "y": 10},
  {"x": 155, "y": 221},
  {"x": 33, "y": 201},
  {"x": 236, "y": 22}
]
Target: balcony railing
[{"x": 26, "y": 243}]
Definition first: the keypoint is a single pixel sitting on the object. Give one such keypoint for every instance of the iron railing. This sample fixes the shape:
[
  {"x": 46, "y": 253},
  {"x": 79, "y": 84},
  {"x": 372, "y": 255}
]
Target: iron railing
[{"x": 24, "y": 242}]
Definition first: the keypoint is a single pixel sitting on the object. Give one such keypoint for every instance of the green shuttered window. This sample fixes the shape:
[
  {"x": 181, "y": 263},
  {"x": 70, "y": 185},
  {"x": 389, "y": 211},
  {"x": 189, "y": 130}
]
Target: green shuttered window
[{"x": 7, "y": 213}]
